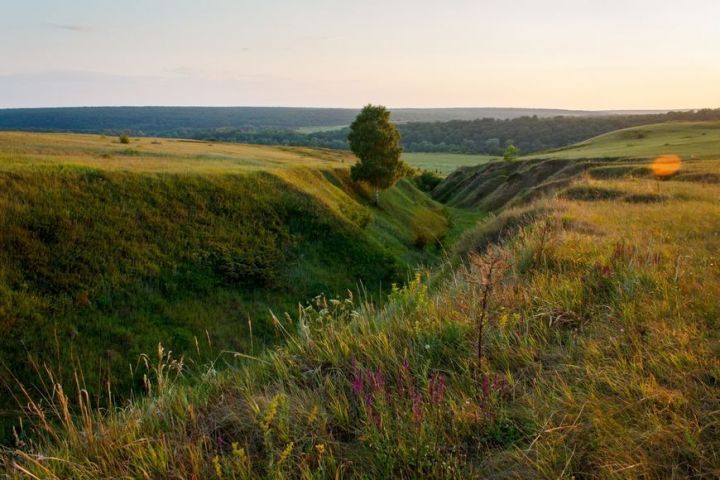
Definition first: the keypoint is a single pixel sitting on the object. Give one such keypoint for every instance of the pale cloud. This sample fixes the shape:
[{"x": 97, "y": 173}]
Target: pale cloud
[{"x": 69, "y": 27}]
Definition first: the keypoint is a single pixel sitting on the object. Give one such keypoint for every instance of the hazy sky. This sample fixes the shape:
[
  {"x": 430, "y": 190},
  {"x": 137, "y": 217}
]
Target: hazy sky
[{"x": 599, "y": 54}]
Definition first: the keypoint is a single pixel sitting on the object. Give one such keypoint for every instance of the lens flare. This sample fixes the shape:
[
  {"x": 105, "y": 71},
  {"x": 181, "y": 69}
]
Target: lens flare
[{"x": 666, "y": 165}]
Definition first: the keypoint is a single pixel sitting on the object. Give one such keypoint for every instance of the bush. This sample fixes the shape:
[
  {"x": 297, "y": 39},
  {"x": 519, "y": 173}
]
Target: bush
[
  {"x": 427, "y": 180},
  {"x": 124, "y": 139}
]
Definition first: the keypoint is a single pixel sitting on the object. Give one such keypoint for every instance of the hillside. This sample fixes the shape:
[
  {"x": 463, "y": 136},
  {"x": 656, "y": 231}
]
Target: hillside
[
  {"x": 595, "y": 308},
  {"x": 627, "y": 152},
  {"x": 108, "y": 249},
  {"x": 690, "y": 139}
]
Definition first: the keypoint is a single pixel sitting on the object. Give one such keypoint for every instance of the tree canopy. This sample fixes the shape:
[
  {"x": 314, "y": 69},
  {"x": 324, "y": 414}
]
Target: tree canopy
[
  {"x": 511, "y": 153},
  {"x": 376, "y": 143}
]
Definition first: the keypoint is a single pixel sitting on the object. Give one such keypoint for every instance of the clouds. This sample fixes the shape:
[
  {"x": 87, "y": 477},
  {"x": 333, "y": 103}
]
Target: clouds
[{"x": 69, "y": 27}]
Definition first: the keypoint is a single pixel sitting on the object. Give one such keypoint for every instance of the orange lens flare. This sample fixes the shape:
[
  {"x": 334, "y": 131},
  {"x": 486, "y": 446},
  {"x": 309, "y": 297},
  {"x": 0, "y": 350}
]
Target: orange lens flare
[{"x": 666, "y": 165}]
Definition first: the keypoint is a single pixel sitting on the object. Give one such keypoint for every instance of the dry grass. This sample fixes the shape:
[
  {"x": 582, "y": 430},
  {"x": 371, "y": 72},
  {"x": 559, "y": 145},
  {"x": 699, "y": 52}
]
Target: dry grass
[{"x": 155, "y": 155}]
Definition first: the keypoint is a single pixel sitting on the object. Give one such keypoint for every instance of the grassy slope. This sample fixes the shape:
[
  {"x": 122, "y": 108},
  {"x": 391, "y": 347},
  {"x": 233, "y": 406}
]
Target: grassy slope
[
  {"x": 107, "y": 249},
  {"x": 690, "y": 139},
  {"x": 600, "y": 361}
]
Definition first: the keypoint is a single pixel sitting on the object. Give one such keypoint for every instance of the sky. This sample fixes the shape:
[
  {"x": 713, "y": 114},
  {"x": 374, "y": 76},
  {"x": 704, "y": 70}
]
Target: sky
[{"x": 577, "y": 54}]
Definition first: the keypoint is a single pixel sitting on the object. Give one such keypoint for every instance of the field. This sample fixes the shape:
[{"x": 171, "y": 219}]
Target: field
[
  {"x": 689, "y": 139},
  {"x": 573, "y": 333},
  {"x": 444, "y": 163},
  {"x": 155, "y": 155}
]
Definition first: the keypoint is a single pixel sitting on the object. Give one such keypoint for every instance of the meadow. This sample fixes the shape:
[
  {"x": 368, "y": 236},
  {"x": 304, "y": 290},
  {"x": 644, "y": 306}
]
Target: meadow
[
  {"x": 444, "y": 163},
  {"x": 573, "y": 333}
]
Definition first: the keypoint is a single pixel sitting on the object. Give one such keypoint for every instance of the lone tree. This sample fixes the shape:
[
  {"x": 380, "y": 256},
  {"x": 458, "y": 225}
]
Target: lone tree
[
  {"x": 511, "y": 153},
  {"x": 376, "y": 142}
]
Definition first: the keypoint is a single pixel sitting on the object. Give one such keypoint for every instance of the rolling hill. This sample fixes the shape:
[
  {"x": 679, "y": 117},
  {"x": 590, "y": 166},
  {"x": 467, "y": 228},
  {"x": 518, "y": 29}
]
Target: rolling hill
[{"x": 690, "y": 139}]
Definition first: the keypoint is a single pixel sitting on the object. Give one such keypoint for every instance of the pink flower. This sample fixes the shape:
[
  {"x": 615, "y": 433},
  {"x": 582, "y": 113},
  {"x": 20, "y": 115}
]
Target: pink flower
[{"x": 417, "y": 408}]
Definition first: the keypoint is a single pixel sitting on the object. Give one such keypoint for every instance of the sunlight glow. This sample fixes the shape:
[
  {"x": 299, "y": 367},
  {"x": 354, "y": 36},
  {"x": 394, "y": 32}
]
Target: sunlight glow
[{"x": 666, "y": 165}]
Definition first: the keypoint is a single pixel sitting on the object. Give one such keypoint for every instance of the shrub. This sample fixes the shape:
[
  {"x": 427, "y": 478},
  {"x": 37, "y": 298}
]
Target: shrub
[
  {"x": 427, "y": 180},
  {"x": 124, "y": 139},
  {"x": 591, "y": 193}
]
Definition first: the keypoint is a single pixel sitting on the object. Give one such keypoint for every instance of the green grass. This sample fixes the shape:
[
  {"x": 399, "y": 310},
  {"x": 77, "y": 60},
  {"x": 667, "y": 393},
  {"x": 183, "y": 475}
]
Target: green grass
[
  {"x": 599, "y": 356},
  {"x": 36, "y": 151},
  {"x": 444, "y": 163},
  {"x": 599, "y": 360},
  {"x": 689, "y": 139},
  {"x": 105, "y": 253}
]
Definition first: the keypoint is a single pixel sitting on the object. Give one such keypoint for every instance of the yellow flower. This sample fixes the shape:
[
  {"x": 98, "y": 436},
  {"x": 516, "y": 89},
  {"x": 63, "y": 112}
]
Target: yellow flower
[{"x": 320, "y": 447}]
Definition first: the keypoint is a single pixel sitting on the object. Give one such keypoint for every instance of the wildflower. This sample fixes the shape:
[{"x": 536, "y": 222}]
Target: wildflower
[
  {"x": 378, "y": 381},
  {"x": 286, "y": 452},
  {"x": 320, "y": 447},
  {"x": 437, "y": 389},
  {"x": 417, "y": 408},
  {"x": 427, "y": 347},
  {"x": 217, "y": 466},
  {"x": 358, "y": 385}
]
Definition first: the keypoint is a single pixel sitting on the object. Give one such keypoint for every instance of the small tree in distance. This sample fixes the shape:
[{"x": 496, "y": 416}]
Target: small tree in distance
[
  {"x": 376, "y": 143},
  {"x": 511, "y": 153}
]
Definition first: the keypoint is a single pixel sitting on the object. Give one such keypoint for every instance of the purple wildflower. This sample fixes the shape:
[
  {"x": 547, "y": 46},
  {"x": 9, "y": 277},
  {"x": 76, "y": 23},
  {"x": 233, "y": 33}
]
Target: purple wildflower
[
  {"x": 437, "y": 389},
  {"x": 417, "y": 408},
  {"x": 405, "y": 384},
  {"x": 377, "y": 380},
  {"x": 358, "y": 385},
  {"x": 486, "y": 386}
]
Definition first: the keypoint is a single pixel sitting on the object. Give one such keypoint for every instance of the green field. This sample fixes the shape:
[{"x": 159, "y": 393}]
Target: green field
[
  {"x": 306, "y": 130},
  {"x": 689, "y": 139},
  {"x": 155, "y": 155},
  {"x": 444, "y": 163}
]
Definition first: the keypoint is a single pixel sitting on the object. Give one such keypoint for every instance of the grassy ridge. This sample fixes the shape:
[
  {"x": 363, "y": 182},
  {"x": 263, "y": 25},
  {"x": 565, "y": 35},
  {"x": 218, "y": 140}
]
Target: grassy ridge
[
  {"x": 105, "y": 254},
  {"x": 690, "y": 139},
  {"x": 599, "y": 360}
]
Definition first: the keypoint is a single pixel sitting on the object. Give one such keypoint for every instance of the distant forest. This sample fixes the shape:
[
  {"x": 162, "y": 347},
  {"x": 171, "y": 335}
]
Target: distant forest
[
  {"x": 487, "y": 136},
  {"x": 530, "y": 130}
]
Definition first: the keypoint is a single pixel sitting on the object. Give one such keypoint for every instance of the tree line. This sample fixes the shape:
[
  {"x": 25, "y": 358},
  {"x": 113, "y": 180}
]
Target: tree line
[
  {"x": 280, "y": 126},
  {"x": 484, "y": 136}
]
